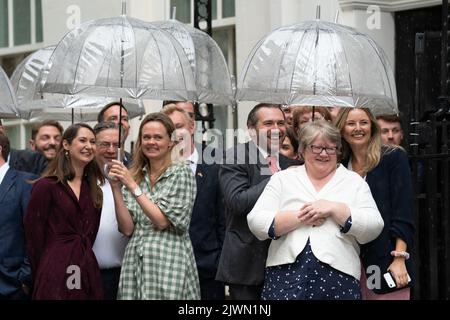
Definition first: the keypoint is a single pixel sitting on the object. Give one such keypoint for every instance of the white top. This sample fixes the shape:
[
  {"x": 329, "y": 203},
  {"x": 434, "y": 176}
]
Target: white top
[
  {"x": 265, "y": 155},
  {"x": 109, "y": 246},
  {"x": 289, "y": 190},
  {"x": 193, "y": 160},
  {"x": 3, "y": 169}
]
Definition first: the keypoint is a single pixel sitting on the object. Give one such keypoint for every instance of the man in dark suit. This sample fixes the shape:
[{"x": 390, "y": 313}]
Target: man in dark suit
[
  {"x": 243, "y": 177},
  {"x": 25, "y": 160},
  {"x": 207, "y": 225},
  {"x": 15, "y": 193},
  {"x": 111, "y": 113}
]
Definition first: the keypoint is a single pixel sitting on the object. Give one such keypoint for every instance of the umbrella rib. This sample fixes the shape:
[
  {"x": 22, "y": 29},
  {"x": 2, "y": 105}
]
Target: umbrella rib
[
  {"x": 182, "y": 71},
  {"x": 383, "y": 64},
  {"x": 335, "y": 71},
  {"x": 135, "y": 57},
  {"x": 159, "y": 51},
  {"x": 349, "y": 74},
  {"x": 296, "y": 57},
  {"x": 279, "y": 68},
  {"x": 250, "y": 58},
  {"x": 315, "y": 59},
  {"x": 77, "y": 64}
]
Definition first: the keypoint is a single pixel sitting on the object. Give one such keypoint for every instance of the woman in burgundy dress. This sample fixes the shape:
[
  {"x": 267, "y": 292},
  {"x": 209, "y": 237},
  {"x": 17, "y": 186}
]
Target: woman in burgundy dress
[{"x": 62, "y": 221}]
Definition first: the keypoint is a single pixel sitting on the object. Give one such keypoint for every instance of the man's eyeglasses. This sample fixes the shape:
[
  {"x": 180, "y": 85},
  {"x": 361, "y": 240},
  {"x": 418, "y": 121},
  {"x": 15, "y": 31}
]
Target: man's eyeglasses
[
  {"x": 106, "y": 145},
  {"x": 318, "y": 149}
]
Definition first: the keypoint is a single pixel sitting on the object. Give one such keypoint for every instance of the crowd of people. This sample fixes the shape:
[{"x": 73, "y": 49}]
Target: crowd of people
[{"x": 316, "y": 205}]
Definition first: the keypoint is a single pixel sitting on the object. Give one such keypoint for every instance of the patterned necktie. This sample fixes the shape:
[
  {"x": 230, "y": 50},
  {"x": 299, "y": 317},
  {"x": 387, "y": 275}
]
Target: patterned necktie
[{"x": 272, "y": 164}]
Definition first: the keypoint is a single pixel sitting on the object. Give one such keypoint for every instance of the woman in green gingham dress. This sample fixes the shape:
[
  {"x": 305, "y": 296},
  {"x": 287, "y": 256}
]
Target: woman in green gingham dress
[{"x": 155, "y": 209}]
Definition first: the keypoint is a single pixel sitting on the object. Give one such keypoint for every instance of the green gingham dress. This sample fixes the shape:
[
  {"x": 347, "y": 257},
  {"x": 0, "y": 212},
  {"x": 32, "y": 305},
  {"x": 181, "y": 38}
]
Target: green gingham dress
[{"x": 161, "y": 264}]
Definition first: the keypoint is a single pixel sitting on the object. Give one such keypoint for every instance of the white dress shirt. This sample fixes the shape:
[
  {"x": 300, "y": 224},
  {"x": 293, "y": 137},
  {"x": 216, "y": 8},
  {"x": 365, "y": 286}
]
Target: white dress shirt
[
  {"x": 193, "y": 160},
  {"x": 265, "y": 155},
  {"x": 3, "y": 169},
  {"x": 109, "y": 246},
  {"x": 290, "y": 190}
]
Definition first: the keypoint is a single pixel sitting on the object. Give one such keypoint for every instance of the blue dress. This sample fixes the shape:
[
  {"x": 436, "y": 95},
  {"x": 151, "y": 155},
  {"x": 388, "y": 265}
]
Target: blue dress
[{"x": 308, "y": 279}]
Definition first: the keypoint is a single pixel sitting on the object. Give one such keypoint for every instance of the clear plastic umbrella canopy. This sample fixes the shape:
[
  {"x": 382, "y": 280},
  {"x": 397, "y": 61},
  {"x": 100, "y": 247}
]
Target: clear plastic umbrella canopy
[
  {"x": 120, "y": 57},
  {"x": 317, "y": 63},
  {"x": 8, "y": 102},
  {"x": 212, "y": 78},
  {"x": 36, "y": 105}
]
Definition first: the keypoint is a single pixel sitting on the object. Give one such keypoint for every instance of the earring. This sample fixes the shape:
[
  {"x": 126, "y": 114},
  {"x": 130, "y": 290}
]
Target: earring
[{"x": 66, "y": 153}]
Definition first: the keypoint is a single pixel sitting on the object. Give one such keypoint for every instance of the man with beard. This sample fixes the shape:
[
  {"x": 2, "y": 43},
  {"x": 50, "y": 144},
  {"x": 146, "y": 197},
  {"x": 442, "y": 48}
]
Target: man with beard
[
  {"x": 25, "y": 160},
  {"x": 243, "y": 177},
  {"x": 46, "y": 137}
]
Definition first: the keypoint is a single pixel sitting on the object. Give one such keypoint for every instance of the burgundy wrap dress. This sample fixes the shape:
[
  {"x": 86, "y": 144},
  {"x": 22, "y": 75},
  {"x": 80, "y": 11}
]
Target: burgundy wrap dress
[{"x": 60, "y": 231}]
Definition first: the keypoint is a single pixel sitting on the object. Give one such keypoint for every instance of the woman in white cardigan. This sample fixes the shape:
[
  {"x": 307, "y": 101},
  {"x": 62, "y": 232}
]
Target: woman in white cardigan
[{"x": 317, "y": 214}]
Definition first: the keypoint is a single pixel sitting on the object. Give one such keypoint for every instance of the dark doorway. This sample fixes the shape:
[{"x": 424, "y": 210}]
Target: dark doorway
[
  {"x": 407, "y": 25},
  {"x": 423, "y": 100}
]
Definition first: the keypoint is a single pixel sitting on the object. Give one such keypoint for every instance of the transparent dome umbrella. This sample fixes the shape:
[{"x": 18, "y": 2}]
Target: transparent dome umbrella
[
  {"x": 8, "y": 101},
  {"x": 120, "y": 57},
  {"x": 36, "y": 105},
  {"x": 212, "y": 77},
  {"x": 317, "y": 63}
]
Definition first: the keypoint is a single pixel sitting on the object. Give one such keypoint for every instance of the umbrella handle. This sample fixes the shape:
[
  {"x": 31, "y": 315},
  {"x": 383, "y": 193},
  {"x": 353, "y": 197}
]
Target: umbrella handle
[{"x": 106, "y": 166}]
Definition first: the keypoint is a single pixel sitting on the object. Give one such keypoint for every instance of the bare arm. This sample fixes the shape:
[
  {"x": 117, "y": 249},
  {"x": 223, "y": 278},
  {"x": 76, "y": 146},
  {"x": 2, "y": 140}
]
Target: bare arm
[
  {"x": 398, "y": 266},
  {"x": 124, "y": 219}
]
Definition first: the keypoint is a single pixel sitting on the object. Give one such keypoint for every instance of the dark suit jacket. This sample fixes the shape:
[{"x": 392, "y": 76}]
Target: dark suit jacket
[
  {"x": 14, "y": 196},
  {"x": 207, "y": 228},
  {"x": 127, "y": 159},
  {"x": 27, "y": 161},
  {"x": 243, "y": 178},
  {"x": 390, "y": 184}
]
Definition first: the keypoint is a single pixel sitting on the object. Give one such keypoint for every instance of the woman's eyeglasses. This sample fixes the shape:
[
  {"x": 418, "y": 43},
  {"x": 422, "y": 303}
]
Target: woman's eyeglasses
[{"x": 318, "y": 149}]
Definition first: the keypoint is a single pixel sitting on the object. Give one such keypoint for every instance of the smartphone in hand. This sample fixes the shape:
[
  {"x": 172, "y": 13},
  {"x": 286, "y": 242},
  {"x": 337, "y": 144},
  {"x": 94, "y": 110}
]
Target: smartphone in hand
[{"x": 390, "y": 280}]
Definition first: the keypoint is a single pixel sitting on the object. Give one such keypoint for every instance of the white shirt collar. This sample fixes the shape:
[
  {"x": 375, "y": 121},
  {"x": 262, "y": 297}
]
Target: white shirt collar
[
  {"x": 193, "y": 158},
  {"x": 265, "y": 154},
  {"x": 3, "y": 169}
]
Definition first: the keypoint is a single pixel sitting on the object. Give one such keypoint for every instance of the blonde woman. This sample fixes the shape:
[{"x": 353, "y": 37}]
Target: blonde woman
[
  {"x": 155, "y": 210},
  {"x": 386, "y": 170}
]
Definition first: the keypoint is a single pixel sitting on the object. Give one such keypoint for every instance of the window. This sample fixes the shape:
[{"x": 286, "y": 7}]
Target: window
[
  {"x": 213, "y": 9},
  {"x": 4, "y": 23},
  {"x": 228, "y": 8},
  {"x": 220, "y": 9},
  {"x": 22, "y": 22},
  {"x": 38, "y": 13},
  {"x": 183, "y": 13}
]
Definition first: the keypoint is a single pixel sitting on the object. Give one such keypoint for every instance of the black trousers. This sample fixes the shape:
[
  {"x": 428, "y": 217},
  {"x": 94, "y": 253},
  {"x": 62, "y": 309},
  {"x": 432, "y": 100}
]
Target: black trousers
[
  {"x": 243, "y": 292},
  {"x": 211, "y": 289},
  {"x": 110, "y": 280}
]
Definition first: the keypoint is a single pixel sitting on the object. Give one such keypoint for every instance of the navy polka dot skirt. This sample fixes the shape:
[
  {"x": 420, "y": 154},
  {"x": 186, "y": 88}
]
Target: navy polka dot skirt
[{"x": 308, "y": 279}]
